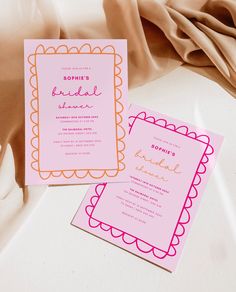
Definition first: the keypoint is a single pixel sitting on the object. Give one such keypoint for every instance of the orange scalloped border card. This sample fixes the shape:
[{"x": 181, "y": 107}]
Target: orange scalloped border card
[{"x": 75, "y": 106}]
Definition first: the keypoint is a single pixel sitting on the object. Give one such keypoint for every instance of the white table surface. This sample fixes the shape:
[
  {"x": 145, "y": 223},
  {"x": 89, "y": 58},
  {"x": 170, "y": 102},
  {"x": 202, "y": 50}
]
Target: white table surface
[{"x": 47, "y": 254}]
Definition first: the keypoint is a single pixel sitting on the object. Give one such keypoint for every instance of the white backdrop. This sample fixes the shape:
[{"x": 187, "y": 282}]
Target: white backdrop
[{"x": 48, "y": 254}]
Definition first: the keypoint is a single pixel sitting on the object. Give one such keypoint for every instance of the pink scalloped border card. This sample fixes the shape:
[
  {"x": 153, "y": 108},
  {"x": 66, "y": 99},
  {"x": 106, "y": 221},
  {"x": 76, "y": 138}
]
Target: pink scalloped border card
[
  {"x": 150, "y": 216},
  {"x": 75, "y": 111}
]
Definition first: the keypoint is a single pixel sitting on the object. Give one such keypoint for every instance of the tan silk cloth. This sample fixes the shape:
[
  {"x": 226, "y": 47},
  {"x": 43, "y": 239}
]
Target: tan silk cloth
[{"x": 199, "y": 34}]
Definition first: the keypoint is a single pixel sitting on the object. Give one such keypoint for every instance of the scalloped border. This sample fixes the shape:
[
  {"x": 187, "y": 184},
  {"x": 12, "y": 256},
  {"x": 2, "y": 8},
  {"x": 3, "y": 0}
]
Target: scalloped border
[
  {"x": 184, "y": 217},
  {"x": 34, "y": 115}
]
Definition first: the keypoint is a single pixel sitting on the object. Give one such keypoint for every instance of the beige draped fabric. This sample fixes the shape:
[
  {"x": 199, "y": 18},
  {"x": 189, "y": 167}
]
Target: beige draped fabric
[{"x": 162, "y": 35}]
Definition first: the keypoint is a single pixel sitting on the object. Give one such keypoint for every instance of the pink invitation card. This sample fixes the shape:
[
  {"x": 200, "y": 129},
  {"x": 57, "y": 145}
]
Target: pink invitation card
[
  {"x": 75, "y": 111},
  {"x": 150, "y": 216}
]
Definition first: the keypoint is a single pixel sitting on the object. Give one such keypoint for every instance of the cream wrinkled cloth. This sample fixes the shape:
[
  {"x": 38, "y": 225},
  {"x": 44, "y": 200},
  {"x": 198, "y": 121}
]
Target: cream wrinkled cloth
[{"x": 162, "y": 35}]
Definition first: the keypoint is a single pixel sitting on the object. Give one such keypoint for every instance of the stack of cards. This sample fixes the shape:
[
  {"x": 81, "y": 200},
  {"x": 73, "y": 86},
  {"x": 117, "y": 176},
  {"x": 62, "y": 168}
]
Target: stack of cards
[{"x": 148, "y": 170}]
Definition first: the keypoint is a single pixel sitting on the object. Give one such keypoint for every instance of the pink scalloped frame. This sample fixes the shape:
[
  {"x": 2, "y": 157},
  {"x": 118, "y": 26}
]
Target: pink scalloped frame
[
  {"x": 34, "y": 115},
  {"x": 184, "y": 217}
]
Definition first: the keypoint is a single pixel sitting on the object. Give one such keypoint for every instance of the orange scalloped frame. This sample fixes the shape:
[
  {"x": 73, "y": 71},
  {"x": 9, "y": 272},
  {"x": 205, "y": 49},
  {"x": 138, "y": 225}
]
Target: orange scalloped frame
[{"x": 34, "y": 115}]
